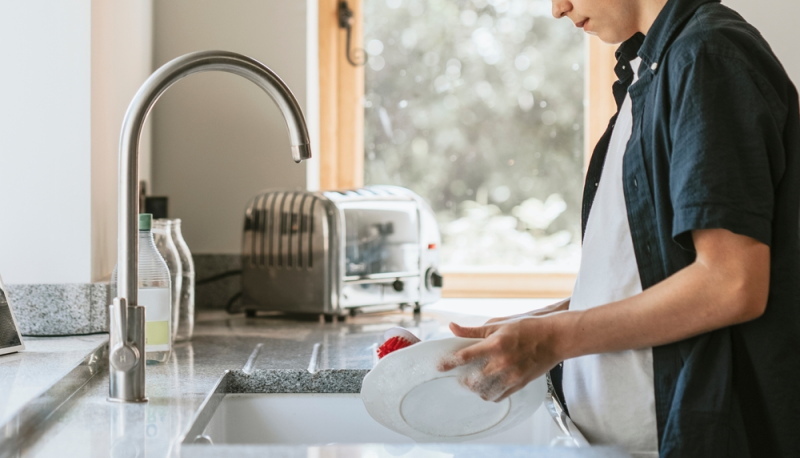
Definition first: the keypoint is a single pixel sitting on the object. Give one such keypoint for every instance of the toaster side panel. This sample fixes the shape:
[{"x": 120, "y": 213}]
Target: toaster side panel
[{"x": 284, "y": 253}]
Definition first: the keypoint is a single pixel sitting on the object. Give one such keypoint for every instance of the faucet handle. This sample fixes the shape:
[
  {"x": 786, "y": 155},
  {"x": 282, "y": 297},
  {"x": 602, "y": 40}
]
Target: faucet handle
[
  {"x": 119, "y": 319},
  {"x": 123, "y": 356}
]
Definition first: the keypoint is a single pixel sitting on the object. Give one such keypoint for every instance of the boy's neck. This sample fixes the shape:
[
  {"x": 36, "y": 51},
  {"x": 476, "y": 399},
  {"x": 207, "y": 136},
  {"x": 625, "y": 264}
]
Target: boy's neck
[{"x": 648, "y": 13}]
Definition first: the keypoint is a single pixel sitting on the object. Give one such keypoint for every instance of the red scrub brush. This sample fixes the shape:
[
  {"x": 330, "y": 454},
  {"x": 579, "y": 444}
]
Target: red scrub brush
[{"x": 396, "y": 339}]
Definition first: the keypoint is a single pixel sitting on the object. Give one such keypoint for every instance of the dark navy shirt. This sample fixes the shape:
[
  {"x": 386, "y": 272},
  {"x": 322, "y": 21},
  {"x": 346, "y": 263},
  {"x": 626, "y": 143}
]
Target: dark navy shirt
[{"x": 715, "y": 144}]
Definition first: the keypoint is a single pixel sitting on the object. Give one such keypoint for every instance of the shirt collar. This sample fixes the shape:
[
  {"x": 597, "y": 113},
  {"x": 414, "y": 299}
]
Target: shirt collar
[
  {"x": 668, "y": 24},
  {"x": 627, "y": 52}
]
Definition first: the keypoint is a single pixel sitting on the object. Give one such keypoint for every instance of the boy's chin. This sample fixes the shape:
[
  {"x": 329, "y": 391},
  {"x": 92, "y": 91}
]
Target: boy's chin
[{"x": 609, "y": 38}]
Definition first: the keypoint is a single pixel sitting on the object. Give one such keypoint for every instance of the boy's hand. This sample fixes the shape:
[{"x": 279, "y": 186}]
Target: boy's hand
[{"x": 512, "y": 354}]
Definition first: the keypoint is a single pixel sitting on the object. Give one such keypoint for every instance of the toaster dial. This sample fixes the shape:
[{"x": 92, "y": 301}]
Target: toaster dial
[{"x": 433, "y": 279}]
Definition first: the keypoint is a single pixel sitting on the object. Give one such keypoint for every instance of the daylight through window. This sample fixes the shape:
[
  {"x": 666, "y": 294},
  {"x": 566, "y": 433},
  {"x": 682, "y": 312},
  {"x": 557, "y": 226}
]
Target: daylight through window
[{"x": 478, "y": 106}]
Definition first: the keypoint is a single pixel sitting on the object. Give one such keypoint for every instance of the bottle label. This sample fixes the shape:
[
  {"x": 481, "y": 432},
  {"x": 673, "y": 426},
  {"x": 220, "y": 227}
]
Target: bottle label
[
  {"x": 156, "y": 302},
  {"x": 156, "y": 333}
]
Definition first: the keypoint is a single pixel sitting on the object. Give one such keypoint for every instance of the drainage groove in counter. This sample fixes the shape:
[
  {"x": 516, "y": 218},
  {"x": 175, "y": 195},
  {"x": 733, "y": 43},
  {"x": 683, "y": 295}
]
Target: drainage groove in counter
[{"x": 251, "y": 361}]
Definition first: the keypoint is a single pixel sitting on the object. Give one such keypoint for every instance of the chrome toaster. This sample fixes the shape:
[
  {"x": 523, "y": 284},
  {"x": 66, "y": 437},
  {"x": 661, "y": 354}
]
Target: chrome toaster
[{"x": 334, "y": 252}]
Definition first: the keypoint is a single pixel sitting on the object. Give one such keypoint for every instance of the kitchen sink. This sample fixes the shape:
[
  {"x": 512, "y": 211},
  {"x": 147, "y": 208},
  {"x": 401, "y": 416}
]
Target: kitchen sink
[
  {"x": 331, "y": 418},
  {"x": 284, "y": 419}
]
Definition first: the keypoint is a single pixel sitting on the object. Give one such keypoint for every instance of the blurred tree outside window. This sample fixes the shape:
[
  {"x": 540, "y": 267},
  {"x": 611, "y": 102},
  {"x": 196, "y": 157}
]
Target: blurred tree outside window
[{"x": 478, "y": 106}]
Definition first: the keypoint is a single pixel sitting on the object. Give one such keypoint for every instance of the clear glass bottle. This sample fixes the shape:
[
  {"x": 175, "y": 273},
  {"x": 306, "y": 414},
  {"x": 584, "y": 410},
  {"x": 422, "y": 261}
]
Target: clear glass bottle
[
  {"x": 166, "y": 246},
  {"x": 186, "y": 320},
  {"x": 154, "y": 294}
]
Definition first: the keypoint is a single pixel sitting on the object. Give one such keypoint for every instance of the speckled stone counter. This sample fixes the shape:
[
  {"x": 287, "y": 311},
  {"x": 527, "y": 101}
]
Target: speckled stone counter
[
  {"x": 297, "y": 381},
  {"x": 264, "y": 354},
  {"x": 82, "y": 308},
  {"x": 45, "y": 361},
  {"x": 60, "y": 310}
]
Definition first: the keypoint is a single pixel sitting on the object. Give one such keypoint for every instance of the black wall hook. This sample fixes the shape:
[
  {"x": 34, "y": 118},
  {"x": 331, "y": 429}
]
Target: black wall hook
[{"x": 359, "y": 56}]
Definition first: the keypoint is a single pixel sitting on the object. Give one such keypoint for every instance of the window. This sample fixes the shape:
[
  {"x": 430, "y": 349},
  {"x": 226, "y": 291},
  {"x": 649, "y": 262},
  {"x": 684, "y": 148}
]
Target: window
[{"x": 479, "y": 107}]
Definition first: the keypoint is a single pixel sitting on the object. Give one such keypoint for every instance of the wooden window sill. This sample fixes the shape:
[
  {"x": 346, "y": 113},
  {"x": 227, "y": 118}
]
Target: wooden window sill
[{"x": 507, "y": 285}]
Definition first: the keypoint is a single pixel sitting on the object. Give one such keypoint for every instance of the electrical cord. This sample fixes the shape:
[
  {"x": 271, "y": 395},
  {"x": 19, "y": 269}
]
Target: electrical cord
[
  {"x": 218, "y": 277},
  {"x": 229, "y": 305},
  {"x": 222, "y": 276}
]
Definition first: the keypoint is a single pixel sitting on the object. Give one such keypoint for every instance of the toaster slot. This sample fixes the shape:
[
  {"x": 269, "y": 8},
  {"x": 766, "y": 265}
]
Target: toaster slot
[
  {"x": 296, "y": 230},
  {"x": 304, "y": 236},
  {"x": 311, "y": 232},
  {"x": 260, "y": 227},
  {"x": 290, "y": 225},
  {"x": 284, "y": 226},
  {"x": 293, "y": 238},
  {"x": 253, "y": 226},
  {"x": 247, "y": 239},
  {"x": 275, "y": 229}
]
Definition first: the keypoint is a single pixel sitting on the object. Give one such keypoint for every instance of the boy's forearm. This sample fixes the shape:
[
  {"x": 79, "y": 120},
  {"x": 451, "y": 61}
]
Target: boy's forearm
[{"x": 701, "y": 298}]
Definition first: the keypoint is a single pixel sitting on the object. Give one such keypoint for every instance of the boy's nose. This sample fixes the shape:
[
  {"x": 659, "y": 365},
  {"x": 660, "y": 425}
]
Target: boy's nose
[{"x": 561, "y": 8}]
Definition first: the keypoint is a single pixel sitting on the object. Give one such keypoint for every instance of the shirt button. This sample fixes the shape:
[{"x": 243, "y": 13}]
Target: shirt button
[
  {"x": 648, "y": 249},
  {"x": 635, "y": 183},
  {"x": 654, "y": 67},
  {"x": 596, "y": 184}
]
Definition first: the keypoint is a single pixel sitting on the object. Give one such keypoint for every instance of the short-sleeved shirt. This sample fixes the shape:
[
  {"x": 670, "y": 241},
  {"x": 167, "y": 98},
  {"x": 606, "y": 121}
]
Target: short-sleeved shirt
[{"x": 715, "y": 144}]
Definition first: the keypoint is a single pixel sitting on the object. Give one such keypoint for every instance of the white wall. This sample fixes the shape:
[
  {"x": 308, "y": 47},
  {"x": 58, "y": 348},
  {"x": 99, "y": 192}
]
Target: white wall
[
  {"x": 68, "y": 69},
  {"x": 45, "y": 162},
  {"x": 217, "y": 138},
  {"x": 777, "y": 22}
]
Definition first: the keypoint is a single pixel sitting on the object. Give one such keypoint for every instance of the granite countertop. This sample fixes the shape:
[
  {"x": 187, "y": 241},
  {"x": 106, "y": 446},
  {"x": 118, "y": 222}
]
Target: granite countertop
[
  {"x": 264, "y": 354},
  {"x": 27, "y": 375}
]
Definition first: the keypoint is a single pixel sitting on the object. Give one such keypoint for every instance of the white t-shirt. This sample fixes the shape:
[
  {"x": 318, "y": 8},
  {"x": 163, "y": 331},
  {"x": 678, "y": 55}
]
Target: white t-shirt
[{"x": 610, "y": 396}]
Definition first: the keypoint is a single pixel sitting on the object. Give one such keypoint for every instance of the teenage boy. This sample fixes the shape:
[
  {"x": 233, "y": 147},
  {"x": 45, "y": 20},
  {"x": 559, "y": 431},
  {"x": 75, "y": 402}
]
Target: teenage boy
[{"x": 682, "y": 335}]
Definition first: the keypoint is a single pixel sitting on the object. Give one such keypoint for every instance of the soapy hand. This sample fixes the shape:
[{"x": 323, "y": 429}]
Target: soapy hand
[{"x": 512, "y": 354}]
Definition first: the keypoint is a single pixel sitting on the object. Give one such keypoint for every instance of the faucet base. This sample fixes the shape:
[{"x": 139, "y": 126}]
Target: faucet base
[
  {"x": 125, "y": 401},
  {"x": 127, "y": 358}
]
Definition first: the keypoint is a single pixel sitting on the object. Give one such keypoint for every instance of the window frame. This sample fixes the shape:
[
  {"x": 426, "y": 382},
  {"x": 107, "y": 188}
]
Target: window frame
[{"x": 341, "y": 152}]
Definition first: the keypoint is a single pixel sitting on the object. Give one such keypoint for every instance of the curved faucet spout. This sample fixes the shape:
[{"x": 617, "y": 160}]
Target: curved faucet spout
[{"x": 127, "y": 380}]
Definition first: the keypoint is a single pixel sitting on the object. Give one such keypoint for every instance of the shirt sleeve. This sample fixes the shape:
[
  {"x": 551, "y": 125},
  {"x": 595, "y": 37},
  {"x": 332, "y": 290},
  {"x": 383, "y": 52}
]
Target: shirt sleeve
[{"x": 723, "y": 133}]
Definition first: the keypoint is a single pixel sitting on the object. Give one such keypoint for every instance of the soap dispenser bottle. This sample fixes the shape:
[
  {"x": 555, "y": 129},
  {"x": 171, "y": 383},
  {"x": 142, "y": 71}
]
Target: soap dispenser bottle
[{"x": 154, "y": 294}]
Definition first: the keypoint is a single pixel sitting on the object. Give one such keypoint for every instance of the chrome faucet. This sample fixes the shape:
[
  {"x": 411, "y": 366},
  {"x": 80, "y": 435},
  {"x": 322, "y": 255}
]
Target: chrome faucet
[{"x": 127, "y": 317}]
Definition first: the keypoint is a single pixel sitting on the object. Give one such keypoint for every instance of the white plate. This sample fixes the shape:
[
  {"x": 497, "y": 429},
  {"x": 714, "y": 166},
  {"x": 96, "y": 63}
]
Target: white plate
[{"x": 407, "y": 394}]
